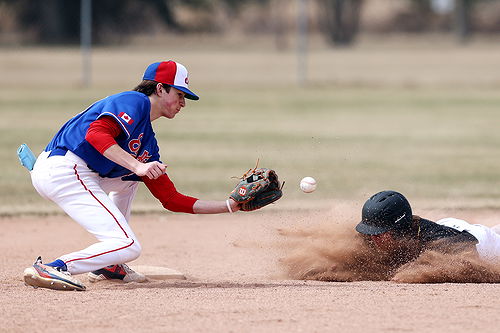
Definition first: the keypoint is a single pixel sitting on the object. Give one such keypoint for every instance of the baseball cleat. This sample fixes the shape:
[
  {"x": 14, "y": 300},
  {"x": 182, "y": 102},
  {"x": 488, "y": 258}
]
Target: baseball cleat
[
  {"x": 40, "y": 275},
  {"x": 116, "y": 272}
]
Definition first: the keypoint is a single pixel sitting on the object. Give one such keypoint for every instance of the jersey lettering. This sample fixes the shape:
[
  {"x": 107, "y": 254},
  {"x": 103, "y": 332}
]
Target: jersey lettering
[
  {"x": 144, "y": 157},
  {"x": 135, "y": 144}
]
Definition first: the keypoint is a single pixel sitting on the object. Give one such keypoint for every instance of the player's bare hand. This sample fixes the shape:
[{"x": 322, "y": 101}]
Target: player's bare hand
[{"x": 152, "y": 170}]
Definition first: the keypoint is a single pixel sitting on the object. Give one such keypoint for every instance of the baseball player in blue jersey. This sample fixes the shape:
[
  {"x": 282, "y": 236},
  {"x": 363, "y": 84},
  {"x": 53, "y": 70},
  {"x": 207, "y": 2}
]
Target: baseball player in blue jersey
[{"x": 91, "y": 169}]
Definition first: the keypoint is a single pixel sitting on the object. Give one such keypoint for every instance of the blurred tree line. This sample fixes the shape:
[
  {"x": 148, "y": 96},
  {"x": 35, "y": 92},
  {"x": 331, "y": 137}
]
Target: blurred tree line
[{"x": 340, "y": 21}]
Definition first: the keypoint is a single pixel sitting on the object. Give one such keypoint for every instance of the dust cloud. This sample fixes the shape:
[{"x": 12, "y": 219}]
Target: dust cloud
[{"x": 332, "y": 250}]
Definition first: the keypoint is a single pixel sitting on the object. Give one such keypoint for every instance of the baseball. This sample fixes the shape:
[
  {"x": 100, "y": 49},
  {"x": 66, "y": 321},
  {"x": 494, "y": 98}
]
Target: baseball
[{"x": 308, "y": 184}]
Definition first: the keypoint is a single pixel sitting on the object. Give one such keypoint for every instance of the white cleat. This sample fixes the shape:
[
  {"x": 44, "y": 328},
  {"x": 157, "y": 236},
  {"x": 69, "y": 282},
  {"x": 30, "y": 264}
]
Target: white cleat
[{"x": 40, "y": 275}]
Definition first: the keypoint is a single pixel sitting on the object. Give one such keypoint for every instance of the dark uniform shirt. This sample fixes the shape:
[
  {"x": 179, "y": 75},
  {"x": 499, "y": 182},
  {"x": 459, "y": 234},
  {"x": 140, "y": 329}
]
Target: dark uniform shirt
[
  {"x": 429, "y": 231},
  {"x": 425, "y": 235}
]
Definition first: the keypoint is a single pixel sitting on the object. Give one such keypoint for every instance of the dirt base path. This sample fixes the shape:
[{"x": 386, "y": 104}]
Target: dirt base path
[{"x": 235, "y": 284}]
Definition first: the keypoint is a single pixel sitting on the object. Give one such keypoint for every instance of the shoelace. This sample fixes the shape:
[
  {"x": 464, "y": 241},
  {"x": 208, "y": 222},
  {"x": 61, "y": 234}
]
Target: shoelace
[{"x": 127, "y": 269}]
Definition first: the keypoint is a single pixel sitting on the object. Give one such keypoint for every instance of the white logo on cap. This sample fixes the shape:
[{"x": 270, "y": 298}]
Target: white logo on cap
[
  {"x": 181, "y": 76},
  {"x": 400, "y": 218}
]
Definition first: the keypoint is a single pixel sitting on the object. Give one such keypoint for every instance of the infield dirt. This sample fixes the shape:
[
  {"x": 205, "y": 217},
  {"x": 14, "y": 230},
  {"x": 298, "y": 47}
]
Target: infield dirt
[
  {"x": 237, "y": 280},
  {"x": 418, "y": 117}
]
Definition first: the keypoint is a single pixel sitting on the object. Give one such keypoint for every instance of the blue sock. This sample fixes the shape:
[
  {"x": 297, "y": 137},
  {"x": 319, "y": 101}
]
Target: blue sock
[{"x": 58, "y": 264}]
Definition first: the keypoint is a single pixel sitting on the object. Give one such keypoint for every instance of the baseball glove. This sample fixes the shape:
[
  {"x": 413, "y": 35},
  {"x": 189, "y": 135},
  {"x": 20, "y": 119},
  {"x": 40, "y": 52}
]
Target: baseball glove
[{"x": 257, "y": 188}]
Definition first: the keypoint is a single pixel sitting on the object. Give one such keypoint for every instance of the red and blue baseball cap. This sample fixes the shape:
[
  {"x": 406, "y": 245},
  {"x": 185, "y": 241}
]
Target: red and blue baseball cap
[{"x": 171, "y": 73}]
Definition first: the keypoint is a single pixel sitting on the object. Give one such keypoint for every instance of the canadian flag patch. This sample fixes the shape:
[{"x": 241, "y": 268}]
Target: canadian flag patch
[{"x": 126, "y": 118}]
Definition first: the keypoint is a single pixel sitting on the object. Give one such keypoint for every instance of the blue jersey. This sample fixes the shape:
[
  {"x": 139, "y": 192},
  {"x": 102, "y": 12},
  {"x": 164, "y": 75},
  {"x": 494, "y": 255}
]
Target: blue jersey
[{"x": 131, "y": 110}]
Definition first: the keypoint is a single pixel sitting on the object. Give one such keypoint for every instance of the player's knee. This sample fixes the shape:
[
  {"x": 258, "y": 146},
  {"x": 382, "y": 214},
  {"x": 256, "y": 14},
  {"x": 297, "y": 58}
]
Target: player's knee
[
  {"x": 132, "y": 251},
  {"x": 136, "y": 249}
]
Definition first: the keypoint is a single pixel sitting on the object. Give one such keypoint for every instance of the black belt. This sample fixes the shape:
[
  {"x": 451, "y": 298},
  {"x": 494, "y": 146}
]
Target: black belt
[{"x": 58, "y": 152}]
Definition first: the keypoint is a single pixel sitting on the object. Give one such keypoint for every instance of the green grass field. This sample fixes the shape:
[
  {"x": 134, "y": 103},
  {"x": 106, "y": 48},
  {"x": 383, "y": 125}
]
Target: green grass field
[{"x": 419, "y": 119}]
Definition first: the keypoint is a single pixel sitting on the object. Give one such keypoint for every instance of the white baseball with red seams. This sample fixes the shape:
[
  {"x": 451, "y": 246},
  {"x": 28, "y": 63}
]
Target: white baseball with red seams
[{"x": 308, "y": 184}]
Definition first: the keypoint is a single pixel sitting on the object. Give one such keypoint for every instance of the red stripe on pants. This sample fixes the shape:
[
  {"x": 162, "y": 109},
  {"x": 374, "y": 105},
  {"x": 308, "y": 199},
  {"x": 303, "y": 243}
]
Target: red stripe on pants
[{"x": 110, "y": 213}]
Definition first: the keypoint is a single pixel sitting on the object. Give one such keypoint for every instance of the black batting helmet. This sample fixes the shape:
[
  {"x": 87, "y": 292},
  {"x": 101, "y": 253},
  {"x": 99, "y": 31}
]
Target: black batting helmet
[{"x": 384, "y": 211}]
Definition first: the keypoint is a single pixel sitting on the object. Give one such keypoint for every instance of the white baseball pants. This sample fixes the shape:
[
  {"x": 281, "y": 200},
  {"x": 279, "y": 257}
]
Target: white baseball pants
[{"x": 100, "y": 205}]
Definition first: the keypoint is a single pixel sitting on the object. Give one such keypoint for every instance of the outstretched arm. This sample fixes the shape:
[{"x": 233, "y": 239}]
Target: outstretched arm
[
  {"x": 215, "y": 207},
  {"x": 164, "y": 190},
  {"x": 101, "y": 135}
]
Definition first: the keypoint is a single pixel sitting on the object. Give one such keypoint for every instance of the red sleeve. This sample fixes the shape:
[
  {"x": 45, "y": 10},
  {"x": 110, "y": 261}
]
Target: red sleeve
[
  {"x": 164, "y": 190},
  {"x": 102, "y": 133}
]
